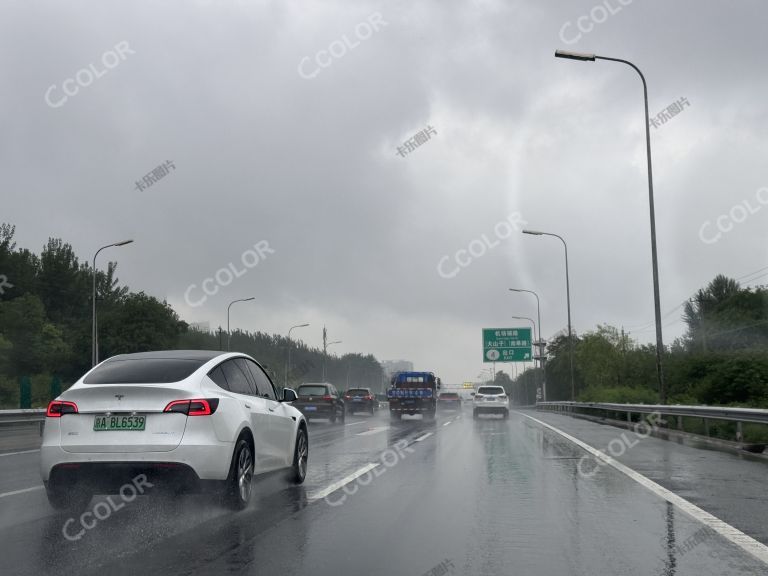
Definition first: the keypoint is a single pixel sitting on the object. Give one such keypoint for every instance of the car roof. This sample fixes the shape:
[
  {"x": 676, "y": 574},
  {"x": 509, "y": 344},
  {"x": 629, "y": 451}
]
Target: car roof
[{"x": 204, "y": 355}]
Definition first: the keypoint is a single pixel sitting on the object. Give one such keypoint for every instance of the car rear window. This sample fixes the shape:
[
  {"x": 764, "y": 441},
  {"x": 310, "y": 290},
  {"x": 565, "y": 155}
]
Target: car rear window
[
  {"x": 490, "y": 390},
  {"x": 449, "y": 395},
  {"x": 358, "y": 391},
  {"x": 312, "y": 391},
  {"x": 143, "y": 371}
]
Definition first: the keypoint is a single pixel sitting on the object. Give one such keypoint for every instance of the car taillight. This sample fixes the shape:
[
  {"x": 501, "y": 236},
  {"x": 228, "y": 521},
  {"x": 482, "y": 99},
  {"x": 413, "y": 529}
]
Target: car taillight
[
  {"x": 327, "y": 397},
  {"x": 347, "y": 396},
  {"x": 503, "y": 397},
  {"x": 57, "y": 408},
  {"x": 369, "y": 397},
  {"x": 194, "y": 407}
]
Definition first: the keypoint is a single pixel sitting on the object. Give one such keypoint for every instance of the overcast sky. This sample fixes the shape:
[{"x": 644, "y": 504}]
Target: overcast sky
[{"x": 283, "y": 119}]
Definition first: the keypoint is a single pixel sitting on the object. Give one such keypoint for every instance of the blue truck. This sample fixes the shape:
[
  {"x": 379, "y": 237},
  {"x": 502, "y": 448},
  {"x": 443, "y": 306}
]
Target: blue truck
[{"x": 413, "y": 393}]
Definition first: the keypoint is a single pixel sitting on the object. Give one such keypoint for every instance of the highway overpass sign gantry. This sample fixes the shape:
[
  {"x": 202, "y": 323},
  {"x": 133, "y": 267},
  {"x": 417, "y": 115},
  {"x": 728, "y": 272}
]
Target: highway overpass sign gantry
[{"x": 507, "y": 345}]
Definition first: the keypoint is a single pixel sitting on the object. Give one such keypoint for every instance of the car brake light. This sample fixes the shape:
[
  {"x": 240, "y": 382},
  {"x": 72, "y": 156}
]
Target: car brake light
[
  {"x": 327, "y": 397},
  {"x": 195, "y": 407},
  {"x": 347, "y": 396},
  {"x": 57, "y": 408}
]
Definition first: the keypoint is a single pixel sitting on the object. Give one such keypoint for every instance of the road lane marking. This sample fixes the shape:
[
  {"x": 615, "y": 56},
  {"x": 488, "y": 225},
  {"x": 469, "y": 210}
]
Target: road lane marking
[
  {"x": 730, "y": 533},
  {"x": 358, "y": 422},
  {"x": 341, "y": 483},
  {"x": 373, "y": 431},
  {"x": 424, "y": 436},
  {"x": 22, "y": 452},
  {"x": 449, "y": 421},
  {"x": 22, "y": 491}
]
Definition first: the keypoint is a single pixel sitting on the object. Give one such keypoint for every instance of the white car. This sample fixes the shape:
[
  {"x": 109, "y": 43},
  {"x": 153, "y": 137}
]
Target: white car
[
  {"x": 490, "y": 400},
  {"x": 190, "y": 419}
]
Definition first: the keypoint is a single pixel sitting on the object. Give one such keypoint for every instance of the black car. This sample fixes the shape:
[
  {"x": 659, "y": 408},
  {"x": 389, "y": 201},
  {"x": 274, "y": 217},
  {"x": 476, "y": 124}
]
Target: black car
[
  {"x": 360, "y": 400},
  {"x": 320, "y": 401},
  {"x": 449, "y": 401}
]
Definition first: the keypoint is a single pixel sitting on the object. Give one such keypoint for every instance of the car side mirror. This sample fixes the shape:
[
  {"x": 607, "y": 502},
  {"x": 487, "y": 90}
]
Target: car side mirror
[{"x": 289, "y": 395}]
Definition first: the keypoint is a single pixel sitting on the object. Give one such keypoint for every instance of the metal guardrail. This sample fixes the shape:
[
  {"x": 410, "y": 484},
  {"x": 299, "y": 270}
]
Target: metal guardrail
[
  {"x": 707, "y": 413},
  {"x": 22, "y": 417},
  {"x": 712, "y": 412}
]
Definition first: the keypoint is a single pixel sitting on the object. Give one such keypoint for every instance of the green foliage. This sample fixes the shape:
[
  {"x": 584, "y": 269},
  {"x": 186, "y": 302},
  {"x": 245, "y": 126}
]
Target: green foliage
[
  {"x": 45, "y": 328},
  {"x": 619, "y": 395}
]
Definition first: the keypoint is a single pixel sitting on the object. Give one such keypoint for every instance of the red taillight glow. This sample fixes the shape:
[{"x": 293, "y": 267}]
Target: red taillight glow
[
  {"x": 327, "y": 397},
  {"x": 369, "y": 397},
  {"x": 194, "y": 407},
  {"x": 57, "y": 408}
]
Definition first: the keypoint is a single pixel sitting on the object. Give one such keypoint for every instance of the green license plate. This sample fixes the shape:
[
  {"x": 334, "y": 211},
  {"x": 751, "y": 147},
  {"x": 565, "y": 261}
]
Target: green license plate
[{"x": 119, "y": 422}]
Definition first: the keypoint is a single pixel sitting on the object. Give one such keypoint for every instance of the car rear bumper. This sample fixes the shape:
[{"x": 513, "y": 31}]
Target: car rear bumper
[
  {"x": 322, "y": 410},
  {"x": 204, "y": 462},
  {"x": 492, "y": 408}
]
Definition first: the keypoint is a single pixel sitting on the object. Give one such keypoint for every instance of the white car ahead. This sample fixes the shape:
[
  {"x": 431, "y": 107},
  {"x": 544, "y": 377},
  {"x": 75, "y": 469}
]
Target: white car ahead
[
  {"x": 191, "y": 419},
  {"x": 490, "y": 400}
]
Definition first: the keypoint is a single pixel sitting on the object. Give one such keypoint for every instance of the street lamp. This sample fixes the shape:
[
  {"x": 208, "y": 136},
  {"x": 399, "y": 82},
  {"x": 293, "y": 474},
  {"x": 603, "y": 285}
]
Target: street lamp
[
  {"x": 288, "y": 363},
  {"x": 325, "y": 353},
  {"x": 95, "y": 332},
  {"x": 229, "y": 334},
  {"x": 534, "y": 336},
  {"x": 654, "y": 257},
  {"x": 568, "y": 300},
  {"x": 540, "y": 343}
]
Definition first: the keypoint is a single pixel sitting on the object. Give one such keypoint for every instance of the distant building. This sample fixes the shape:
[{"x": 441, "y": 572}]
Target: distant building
[{"x": 392, "y": 366}]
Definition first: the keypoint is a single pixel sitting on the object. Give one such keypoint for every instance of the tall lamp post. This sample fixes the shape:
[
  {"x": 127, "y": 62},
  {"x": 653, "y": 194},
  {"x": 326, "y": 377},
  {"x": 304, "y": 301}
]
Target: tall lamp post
[
  {"x": 325, "y": 353},
  {"x": 654, "y": 257},
  {"x": 229, "y": 334},
  {"x": 534, "y": 337},
  {"x": 540, "y": 343},
  {"x": 288, "y": 363},
  {"x": 568, "y": 300},
  {"x": 95, "y": 331}
]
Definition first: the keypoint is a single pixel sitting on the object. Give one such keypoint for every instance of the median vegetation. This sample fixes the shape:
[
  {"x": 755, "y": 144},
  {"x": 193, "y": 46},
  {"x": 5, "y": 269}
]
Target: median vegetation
[
  {"x": 45, "y": 328},
  {"x": 722, "y": 359}
]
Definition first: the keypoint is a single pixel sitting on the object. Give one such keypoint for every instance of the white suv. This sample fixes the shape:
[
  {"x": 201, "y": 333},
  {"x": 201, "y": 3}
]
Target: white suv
[{"x": 489, "y": 400}]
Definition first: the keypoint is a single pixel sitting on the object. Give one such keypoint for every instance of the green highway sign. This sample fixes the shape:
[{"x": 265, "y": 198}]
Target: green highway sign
[{"x": 507, "y": 345}]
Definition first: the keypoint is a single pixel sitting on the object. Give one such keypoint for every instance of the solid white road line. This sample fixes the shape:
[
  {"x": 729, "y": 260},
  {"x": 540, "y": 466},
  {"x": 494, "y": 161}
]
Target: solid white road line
[
  {"x": 359, "y": 422},
  {"x": 733, "y": 535},
  {"x": 449, "y": 421},
  {"x": 341, "y": 483},
  {"x": 22, "y": 452},
  {"x": 423, "y": 437},
  {"x": 22, "y": 491}
]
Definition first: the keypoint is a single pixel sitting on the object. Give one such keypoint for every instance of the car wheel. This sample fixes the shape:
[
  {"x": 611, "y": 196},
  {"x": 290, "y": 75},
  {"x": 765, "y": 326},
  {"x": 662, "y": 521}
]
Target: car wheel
[
  {"x": 343, "y": 416},
  {"x": 372, "y": 409},
  {"x": 66, "y": 497},
  {"x": 239, "y": 481},
  {"x": 300, "y": 457},
  {"x": 506, "y": 414}
]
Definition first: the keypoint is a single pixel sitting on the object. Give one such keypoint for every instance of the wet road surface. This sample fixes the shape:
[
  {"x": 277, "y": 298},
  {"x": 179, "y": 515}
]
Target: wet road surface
[{"x": 406, "y": 498}]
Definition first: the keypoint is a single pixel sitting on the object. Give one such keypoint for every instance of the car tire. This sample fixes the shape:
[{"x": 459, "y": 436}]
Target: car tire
[
  {"x": 300, "y": 457},
  {"x": 343, "y": 416},
  {"x": 239, "y": 483},
  {"x": 506, "y": 414},
  {"x": 372, "y": 410},
  {"x": 66, "y": 497}
]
